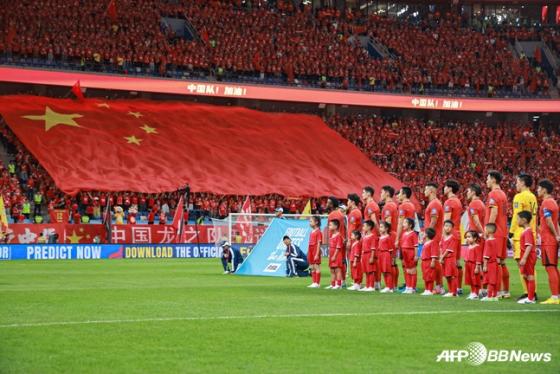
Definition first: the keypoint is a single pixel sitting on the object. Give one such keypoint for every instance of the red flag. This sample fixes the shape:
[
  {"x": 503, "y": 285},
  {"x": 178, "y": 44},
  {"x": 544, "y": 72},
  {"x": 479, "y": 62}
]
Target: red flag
[
  {"x": 204, "y": 35},
  {"x": 11, "y": 33},
  {"x": 178, "y": 223},
  {"x": 112, "y": 10},
  {"x": 516, "y": 67},
  {"x": 558, "y": 14},
  {"x": 538, "y": 55},
  {"x": 244, "y": 223},
  {"x": 289, "y": 70},
  {"x": 256, "y": 62},
  {"x": 526, "y": 73},
  {"x": 544, "y": 14},
  {"x": 77, "y": 90},
  {"x": 78, "y": 143},
  {"x": 533, "y": 85}
]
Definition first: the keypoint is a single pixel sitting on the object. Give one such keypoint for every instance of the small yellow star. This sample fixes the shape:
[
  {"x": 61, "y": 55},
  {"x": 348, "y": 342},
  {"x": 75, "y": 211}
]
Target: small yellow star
[
  {"x": 52, "y": 119},
  {"x": 88, "y": 236},
  {"x": 74, "y": 238},
  {"x": 104, "y": 105},
  {"x": 81, "y": 229},
  {"x": 132, "y": 139},
  {"x": 148, "y": 129},
  {"x": 135, "y": 114}
]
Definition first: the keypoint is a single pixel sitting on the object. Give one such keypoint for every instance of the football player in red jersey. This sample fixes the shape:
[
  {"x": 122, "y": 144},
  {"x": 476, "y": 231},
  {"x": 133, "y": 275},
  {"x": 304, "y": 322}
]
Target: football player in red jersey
[
  {"x": 372, "y": 212},
  {"x": 496, "y": 213},
  {"x": 549, "y": 233},
  {"x": 391, "y": 216},
  {"x": 453, "y": 210},
  {"x": 433, "y": 218}
]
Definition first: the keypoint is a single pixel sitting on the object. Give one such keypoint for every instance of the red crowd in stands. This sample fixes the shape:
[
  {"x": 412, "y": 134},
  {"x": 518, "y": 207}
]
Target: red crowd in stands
[
  {"x": 288, "y": 41},
  {"x": 418, "y": 151}
]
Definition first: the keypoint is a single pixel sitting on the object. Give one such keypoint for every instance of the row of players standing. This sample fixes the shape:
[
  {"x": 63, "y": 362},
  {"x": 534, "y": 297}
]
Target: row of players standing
[{"x": 372, "y": 236}]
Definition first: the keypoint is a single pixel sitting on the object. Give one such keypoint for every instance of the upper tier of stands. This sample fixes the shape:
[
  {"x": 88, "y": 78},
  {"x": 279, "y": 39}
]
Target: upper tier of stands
[{"x": 286, "y": 46}]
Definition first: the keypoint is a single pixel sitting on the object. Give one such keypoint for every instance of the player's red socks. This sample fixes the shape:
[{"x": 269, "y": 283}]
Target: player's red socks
[
  {"x": 499, "y": 279},
  {"x": 452, "y": 285},
  {"x": 531, "y": 289},
  {"x": 370, "y": 279},
  {"x": 505, "y": 277},
  {"x": 414, "y": 280},
  {"x": 377, "y": 278},
  {"x": 492, "y": 292},
  {"x": 333, "y": 283},
  {"x": 396, "y": 276},
  {"x": 439, "y": 278},
  {"x": 552, "y": 279},
  {"x": 475, "y": 290},
  {"x": 388, "y": 280},
  {"x": 317, "y": 277},
  {"x": 429, "y": 285},
  {"x": 459, "y": 277}
]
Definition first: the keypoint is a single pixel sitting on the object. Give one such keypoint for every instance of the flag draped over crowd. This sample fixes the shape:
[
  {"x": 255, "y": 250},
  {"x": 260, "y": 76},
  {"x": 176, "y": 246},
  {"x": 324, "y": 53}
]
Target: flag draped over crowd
[{"x": 148, "y": 146}]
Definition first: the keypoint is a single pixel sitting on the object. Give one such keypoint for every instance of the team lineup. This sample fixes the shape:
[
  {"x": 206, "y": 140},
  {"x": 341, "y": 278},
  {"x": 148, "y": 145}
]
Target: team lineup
[{"x": 370, "y": 243}]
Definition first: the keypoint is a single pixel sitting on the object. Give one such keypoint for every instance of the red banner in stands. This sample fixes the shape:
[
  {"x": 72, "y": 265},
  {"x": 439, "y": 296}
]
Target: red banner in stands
[
  {"x": 122, "y": 234},
  {"x": 148, "y": 146},
  {"x": 67, "y": 233},
  {"x": 155, "y": 234},
  {"x": 235, "y": 90}
]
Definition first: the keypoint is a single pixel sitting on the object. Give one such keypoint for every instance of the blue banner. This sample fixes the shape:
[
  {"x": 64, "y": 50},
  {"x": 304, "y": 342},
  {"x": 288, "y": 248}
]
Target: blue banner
[
  {"x": 92, "y": 251},
  {"x": 267, "y": 257}
]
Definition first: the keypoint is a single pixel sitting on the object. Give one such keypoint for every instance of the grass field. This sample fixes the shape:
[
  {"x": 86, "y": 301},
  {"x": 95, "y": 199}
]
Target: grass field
[{"x": 169, "y": 316}]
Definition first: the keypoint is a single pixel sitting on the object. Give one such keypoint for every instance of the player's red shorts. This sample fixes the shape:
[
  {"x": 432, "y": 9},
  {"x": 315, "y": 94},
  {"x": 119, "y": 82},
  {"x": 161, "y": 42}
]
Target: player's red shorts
[
  {"x": 449, "y": 267},
  {"x": 356, "y": 271},
  {"x": 385, "y": 262},
  {"x": 491, "y": 276},
  {"x": 311, "y": 255},
  {"x": 366, "y": 266},
  {"x": 549, "y": 255},
  {"x": 376, "y": 264},
  {"x": 408, "y": 258},
  {"x": 428, "y": 274},
  {"x": 529, "y": 267},
  {"x": 337, "y": 263},
  {"x": 501, "y": 248},
  {"x": 471, "y": 279}
]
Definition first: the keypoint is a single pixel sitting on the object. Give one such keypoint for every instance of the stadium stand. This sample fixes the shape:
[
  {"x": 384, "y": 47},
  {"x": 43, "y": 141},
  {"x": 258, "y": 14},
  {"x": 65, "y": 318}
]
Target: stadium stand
[{"x": 277, "y": 46}]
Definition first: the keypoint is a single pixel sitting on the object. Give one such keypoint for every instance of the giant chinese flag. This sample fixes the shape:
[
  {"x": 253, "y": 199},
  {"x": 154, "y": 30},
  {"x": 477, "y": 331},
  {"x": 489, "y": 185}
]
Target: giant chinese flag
[{"x": 148, "y": 146}]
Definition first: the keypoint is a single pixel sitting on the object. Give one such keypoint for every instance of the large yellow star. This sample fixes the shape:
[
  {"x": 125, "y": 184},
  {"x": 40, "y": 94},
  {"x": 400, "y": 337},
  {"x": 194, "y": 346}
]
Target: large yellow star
[
  {"x": 103, "y": 105},
  {"x": 74, "y": 238},
  {"x": 132, "y": 139},
  {"x": 52, "y": 119},
  {"x": 135, "y": 114},
  {"x": 148, "y": 129}
]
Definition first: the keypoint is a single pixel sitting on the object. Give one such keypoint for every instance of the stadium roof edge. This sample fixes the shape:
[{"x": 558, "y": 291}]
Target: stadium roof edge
[{"x": 258, "y": 92}]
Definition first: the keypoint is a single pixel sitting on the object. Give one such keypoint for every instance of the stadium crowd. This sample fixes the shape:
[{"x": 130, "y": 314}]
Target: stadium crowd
[{"x": 286, "y": 42}]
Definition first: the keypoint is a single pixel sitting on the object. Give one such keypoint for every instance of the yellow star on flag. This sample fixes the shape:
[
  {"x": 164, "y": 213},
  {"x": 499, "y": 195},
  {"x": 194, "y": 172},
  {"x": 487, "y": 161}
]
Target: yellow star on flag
[
  {"x": 135, "y": 114},
  {"x": 74, "y": 238},
  {"x": 132, "y": 139},
  {"x": 88, "y": 236},
  {"x": 103, "y": 105},
  {"x": 52, "y": 119},
  {"x": 148, "y": 129},
  {"x": 81, "y": 229}
]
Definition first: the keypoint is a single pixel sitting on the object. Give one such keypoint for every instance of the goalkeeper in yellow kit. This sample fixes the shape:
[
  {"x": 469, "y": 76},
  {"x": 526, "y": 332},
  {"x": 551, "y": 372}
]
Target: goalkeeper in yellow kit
[{"x": 523, "y": 200}]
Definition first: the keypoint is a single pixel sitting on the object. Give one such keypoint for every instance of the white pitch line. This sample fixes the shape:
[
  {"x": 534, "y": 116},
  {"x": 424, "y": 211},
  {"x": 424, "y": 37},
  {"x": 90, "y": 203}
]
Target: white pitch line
[{"x": 276, "y": 316}]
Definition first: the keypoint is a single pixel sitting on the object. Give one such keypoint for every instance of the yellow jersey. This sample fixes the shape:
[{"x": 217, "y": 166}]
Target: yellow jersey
[{"x": 525, "y": 200}]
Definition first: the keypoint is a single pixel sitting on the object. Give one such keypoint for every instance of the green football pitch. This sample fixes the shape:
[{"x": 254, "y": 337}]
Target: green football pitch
[{"x": 184, "y": 316}]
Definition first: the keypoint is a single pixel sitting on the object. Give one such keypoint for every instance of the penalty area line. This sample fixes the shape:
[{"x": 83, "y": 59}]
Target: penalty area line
[{"x": 263, "y": 316}]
